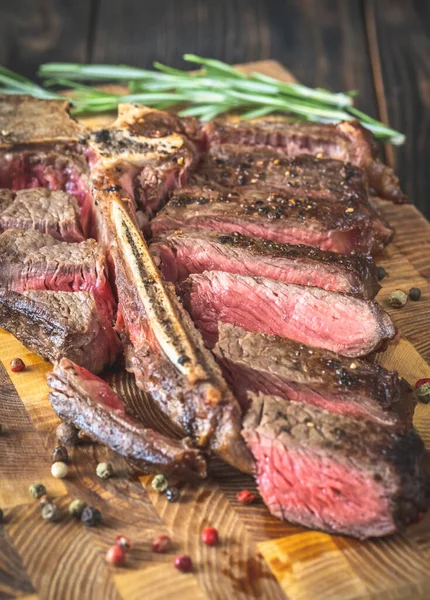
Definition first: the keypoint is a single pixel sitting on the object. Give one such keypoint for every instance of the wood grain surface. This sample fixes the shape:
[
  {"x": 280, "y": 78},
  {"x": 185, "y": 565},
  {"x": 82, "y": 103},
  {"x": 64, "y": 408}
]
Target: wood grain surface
[{"x": 258, "y": 556}]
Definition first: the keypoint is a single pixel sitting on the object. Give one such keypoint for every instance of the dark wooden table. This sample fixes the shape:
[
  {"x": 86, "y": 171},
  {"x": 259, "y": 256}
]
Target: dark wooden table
[{"x": 381, "y": 47}]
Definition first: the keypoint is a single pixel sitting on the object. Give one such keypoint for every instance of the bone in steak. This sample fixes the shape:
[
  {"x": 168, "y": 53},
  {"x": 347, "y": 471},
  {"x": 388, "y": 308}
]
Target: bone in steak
[
  {"x": 181, "y": 253},
  {"x": 56, "y": 213},
  {"x": 347, "y": 141},
  {"x": 336, "y": 322},
  {"x": 90, "y": 404},
  {"x": 334, "y": 473},
  {"x": 281, "y": 367},
  {"x": 61, "y": 324}
]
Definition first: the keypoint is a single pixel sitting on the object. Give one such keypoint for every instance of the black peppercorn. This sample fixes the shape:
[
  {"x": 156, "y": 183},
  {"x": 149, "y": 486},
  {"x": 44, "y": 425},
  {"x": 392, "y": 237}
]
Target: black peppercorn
[
  {"x": 67, "y": 434},
  {"x": 91, "y": 517},
  {"x": 381, "y": 273},
  {"x": 60, "y": 454},
  {"x": 50, "y": 512},
  {"x": 414, "y": 294},
  {"x": 172, "y": 494}
]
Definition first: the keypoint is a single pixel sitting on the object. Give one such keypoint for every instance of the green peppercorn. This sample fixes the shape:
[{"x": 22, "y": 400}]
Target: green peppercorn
[
  {"x": 91, "y": 517},
  {"x": 76, "y": 508},
  {"x": 397, "y": 299},
  {"x": 172, "y": 494},
  {"x": 37, "y": 490},
  {"x": 380, "y": 273},
  {"x": 160, "y": 483},
  {"x": 51, "y": 512},
  {"x": 104, "y": 470},
  {"x": 423, "y": 393},
  {"x": 414, "y": 294}
]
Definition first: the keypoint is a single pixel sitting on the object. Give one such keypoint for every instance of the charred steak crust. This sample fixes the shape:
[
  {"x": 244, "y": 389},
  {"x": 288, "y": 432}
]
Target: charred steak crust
[
  {"x": 393, "y": 462},
  {"x": 88, "y": 402}
]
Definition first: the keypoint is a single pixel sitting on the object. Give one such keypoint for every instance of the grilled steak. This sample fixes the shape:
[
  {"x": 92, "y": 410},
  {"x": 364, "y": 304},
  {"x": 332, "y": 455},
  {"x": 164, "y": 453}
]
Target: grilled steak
[
  {"x": 281, "y": 367},
  {"x": 61, "y": 324},
  {"x": 335, "y": 473},
  {"x": 35, "y": 261},
  {"x": 181, "y": 253},
  {"x": 336, "y": 322},
  {"x": 88, "y": 402},
  {"x": 347, "y": 141},
  {"x": 56, "y": 213}
]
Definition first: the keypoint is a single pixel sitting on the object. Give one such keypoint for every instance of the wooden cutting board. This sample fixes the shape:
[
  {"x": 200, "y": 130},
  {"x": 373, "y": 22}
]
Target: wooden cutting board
[{"x": 258, "y": 556}]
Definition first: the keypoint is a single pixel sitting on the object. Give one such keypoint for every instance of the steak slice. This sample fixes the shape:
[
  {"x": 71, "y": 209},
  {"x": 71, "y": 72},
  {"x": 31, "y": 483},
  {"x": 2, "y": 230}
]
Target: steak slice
[
  {"x": 88, "y": 402},
  {"x": 281, "y": 367},
  {"x": 56, "y": 213},
  {"x": 347, "y": 141},
  {"x": 61, "y": 324},
  {"x": 336, "y": 322},
  {"x": 35, "y": 261},
  {"x": 182, "y": 253},
  {"x": 269, "y": 214},
  {"x": 334, "y": 473}
]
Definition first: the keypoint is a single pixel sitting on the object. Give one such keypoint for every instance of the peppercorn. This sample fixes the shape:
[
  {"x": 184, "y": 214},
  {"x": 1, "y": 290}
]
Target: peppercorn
[
  {"x": 380, "y": 273},
  {"x": 397, "y": 299},
  {"x": 104, "y": 470},
  {"x": 43, "y": 500},
  {"x": 124, "y": 542},
  {"x": 161, "y": 544},
  {"x": 76, "y": 508},
  {"x": 59, "y": 470},
  {"x": 37, "y": 490},
  {"x": 60, "y": 454},
  {"x": 17, "y": 365},
  {"x": 245, "y": 497},
  {"x": 67, "y": 434},
  {"x": 172, "y": 494},
  {"x": 414, "y": 294},
  {"x": 160, "y": 483},
  {"x": 115, "y": 556},
  {"x": 423, "y": 393},
  {"x": 421, "y": 382},
  {"x": 91, "y": 517},
  {"x": 210, "y": 536},
  {"x": 184, "y": 563},
  {"x": 51, "y": 512}
]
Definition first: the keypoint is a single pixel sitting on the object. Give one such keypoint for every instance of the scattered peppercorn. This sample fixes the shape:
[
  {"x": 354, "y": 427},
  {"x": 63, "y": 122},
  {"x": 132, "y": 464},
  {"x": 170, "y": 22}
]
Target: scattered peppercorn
[
  {"x": 380, "y": 273},
  {"x": 104, "y": 470},
  {"x": 17, "y": 365},
  {"x": 51, "y": 512},
  {"x": 59, "y": 470},
  {"x": 43, "y": 500},
  {"x": 161, "y": 544},
  {"x": 160, "y": 483},
  {"x": 397, "y": 299},
  {"x": 210, "y": 536},
  {"x": 172, "y": 494},
  {"x": 423, "y": 393},
  {"x": 245, "y": 497},
  {"x": 91, "y": 517},
  {"x": 124, "y": 542},
  {"x": 76, "y": 508},
  {"x": 115, "y": 556},
  {"x": 421, "y": 382},
  {"x": 60, "y": 454},
  {"x": 184, "y": 563},
  {"x": 414, "y": 294},
  {"x": 37, "y": 490},
  {"x": 67, "y": 434}
]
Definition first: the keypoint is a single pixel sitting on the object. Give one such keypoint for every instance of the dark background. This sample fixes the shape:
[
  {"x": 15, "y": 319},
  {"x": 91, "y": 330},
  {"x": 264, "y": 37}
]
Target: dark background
[{"x": 381, "y": 47}]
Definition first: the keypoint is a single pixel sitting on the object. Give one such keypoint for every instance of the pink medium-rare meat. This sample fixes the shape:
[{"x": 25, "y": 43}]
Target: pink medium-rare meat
[
  {"x": 184, "y": 252},
  {"x": 281, "y": 367},
  {"x": 56, "y": 213},
  {"x": 335, "y": 473},
  {"x": 90, "y": 404},
  {"x": 343, "y": 324},
  {"x": 347, "y": 141}
]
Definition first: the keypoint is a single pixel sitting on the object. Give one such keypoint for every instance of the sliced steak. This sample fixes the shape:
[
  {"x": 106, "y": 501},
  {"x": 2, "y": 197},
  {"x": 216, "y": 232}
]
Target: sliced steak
[
  {"x": 336, "y": 322},
  {"x": 334, "y": 473},
  {"x": 269, "y": 214},
  {"x": 347, "y": 141},
  {"x": 61, "y": 324},
  {"x": 56, "y": 213},
  {"x": 281, "y": 367},
  {"x": 182, "y": 253},
  {"x": 88, "y": 402}
]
